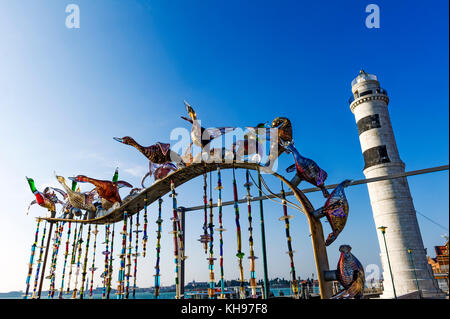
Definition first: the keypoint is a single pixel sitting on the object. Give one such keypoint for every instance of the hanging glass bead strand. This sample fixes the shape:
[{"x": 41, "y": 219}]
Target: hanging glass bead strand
[
  {"x": 30, "y": 265},
  {"x": 220, "y": 230},
  {"x": 212, "y": 288},
  {"x": 66, "y": 255},
  {"x": 136, "y": 253},
  {"x": 83, "y": 274},
  {"x": 239, "y": 253},
  {"x": 73, "y": 257},
  {"x": 130, "y": 242},
  {"x": 175, "y": 239},
  {"x": 93, "y": 268},
  {"x": 106, "y": 253},
  {"x": 145, "y": 237},
  {"x": 158, "y": 249},
  {"x": 110, "y": 267},
  {"x": 252, "y": 256},
  {"x": 39, "y": 261}
]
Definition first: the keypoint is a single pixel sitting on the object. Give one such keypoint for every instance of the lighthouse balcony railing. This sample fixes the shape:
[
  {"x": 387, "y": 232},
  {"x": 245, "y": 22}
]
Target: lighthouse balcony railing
[{"x": 376, "y": 91}]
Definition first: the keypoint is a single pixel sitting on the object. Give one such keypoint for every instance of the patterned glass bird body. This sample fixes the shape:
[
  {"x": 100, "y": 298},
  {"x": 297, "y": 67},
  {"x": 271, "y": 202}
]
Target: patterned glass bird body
[
  {"x": 106, "y": 190},
  {"x": 76, "y": 199},
  {"x": 336, "y": 210},
  {"x": 46, "y": 199},
  {"x": 307, "y": 169},
  {"x": 350, "y": 274},
  {"x": 159, "y": 153}
]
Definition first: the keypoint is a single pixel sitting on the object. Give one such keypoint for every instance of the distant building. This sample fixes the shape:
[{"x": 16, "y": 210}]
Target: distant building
[{"x": 439, "y": 264}]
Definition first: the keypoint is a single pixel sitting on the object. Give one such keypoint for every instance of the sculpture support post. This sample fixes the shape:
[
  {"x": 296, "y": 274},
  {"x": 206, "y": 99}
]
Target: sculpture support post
[
  {"x": 321, "y": 257},
  {"x": 45, "y": 259}
]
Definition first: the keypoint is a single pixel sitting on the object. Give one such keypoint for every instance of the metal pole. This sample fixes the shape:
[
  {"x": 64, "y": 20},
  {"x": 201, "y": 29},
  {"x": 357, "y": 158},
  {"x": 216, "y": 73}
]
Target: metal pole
[
  {"x": 45, "y": 259},
  {"x": 263, "y": 241},
  {"x": 414, "y": 269},
  {"x": 383, "y": 231},
  {"x": 331, "y": 186}
]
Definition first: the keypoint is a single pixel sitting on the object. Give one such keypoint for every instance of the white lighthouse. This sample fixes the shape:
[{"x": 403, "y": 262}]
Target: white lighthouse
[{"x": 391, "y": 201}]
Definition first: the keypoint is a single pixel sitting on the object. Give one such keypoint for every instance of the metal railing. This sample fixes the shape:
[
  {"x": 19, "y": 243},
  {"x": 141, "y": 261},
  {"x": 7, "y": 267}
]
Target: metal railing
[{"x": 331, "y": 186}]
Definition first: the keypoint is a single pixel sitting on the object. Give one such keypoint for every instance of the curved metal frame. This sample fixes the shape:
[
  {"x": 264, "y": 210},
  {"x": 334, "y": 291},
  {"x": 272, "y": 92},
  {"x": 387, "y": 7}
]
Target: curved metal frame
[{"x": 162, "y": 187}]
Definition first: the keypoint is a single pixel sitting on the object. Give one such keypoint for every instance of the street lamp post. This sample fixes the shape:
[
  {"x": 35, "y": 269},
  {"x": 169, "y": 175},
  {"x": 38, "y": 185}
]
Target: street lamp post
[
  {"x": 414, "y": 269},
  {"x": 383, "y": 231}
]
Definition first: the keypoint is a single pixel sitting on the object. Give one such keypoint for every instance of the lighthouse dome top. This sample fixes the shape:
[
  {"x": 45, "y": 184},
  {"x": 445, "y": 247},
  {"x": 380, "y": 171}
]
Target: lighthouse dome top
[{"x": 364, "y": 76}]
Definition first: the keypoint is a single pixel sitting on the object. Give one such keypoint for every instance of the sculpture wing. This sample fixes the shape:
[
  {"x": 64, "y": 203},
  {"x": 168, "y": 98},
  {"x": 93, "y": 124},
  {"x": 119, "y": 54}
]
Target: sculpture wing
[
  {"x": 213, "y": 133},
  {"x": 63, "y": 193},
  {"x": 121, "y": 184},
  {"x": 186, "y": 119}
]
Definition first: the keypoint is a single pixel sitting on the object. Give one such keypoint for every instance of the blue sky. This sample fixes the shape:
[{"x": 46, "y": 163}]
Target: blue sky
[{"x": 64, "y": 93}]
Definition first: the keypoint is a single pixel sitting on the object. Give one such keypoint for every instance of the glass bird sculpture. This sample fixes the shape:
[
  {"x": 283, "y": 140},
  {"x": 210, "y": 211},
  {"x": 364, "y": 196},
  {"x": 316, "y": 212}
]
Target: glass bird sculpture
[
  {"x": 46, "y": 199},
  {"x": 336, "y": 210},
  {"x": 350, "y": 274},
  {"x": 307, "y": 169},
  {"x": 159, "y": 153},
  {"x": 108, "y": 191},
  {"x": 200, "y": 136}
]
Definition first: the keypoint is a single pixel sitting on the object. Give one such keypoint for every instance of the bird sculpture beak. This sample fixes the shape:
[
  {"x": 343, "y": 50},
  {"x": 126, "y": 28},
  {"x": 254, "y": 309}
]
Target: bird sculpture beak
[
  {"x": 187, "y": 105},
  {"x": 118, "y": 139},
  {"x": 75, "y": 179},
  {"x": 190, "y": 110}
]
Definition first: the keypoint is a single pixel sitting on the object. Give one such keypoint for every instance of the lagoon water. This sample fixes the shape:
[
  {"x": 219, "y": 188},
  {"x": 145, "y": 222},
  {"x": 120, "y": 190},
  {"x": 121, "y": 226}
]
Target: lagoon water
[{"x": 165, "y": 295}]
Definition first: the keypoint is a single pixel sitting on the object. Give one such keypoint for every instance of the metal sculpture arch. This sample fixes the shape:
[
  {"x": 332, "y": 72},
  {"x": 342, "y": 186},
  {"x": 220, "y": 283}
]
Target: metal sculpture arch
[{"x": 163, "y": 187}]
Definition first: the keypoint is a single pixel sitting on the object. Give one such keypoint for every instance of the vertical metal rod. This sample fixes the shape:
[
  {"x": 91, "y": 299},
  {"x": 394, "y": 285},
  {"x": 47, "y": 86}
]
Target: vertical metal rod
[
  {"x": 45, "y": 259},
  {"x": 383, "y": 231},
  {"x": 263, "y": 241}
]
